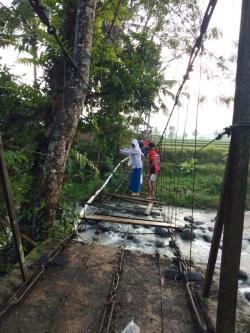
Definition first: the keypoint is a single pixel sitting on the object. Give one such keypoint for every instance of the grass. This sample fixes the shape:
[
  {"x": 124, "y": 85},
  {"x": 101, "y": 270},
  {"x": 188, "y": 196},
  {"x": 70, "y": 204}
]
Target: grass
[{"x": 175, "y": 181}]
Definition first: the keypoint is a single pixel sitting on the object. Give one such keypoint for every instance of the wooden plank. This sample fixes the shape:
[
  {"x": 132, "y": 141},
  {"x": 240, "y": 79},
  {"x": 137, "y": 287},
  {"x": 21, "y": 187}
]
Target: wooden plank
[
  {"x": 122, "y": 220},
  {"x": 134, "y": 198},
  {"x": 143, "y": 218},
  {"x": 149, "y": 208}
]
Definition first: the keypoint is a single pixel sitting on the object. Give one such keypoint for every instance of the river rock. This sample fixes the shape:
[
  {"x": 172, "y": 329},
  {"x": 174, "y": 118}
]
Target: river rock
[
  {"x": 188, "y": 234},
  {"x": 103, "y": 228},
  {"x": 171, "y": 243},
  {"x": 199, "y": 222},
  {"x": 130, "y": 237},
  {"x": 247, "y": 295},
  {"x": 136, "y": 226},
  {"x": 242, "y": 275},
  {"x": 211, "y": 228},
  {"x": 159, "y": 243},
  {"x": 207, "y": 238},
  {"x": 202, "y": 228},
  {"x": 162, "y": 232},
  {"x": 189, "y": 219}
]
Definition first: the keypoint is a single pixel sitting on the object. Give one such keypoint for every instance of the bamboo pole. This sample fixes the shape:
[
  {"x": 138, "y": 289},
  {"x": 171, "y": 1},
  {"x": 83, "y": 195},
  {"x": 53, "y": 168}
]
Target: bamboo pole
[{"x": 11, "y": 211}]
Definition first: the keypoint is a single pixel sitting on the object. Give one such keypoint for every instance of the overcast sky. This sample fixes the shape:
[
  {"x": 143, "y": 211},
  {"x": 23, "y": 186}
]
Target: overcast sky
[{"x": 212, "y": 115}]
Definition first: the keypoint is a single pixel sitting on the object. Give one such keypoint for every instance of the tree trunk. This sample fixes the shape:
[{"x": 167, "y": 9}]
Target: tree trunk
[{"x": 65, "y": 127}]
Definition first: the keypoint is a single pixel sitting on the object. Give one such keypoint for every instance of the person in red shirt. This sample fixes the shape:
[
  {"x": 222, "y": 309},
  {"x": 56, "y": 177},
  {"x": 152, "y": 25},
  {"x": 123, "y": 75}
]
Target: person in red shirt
[{"x": 154, "y": 166}]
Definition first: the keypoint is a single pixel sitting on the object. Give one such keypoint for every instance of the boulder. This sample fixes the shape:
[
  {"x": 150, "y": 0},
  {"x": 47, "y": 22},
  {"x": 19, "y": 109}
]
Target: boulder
[
  {"x": 207, "y": 238},
  {"x": 211, "y": 228},
  {"x": 188, "y": 234},
  {"x": 189, "y": 219},
  {"x": 163, "y": 232},
  {"x": 202, "y": 228},
  {"x": 247, "y": 295},
  {"x": 242, "y": 275}
]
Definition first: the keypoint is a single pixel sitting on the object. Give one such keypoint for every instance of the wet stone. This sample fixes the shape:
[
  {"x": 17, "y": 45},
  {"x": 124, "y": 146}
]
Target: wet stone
[
  {"x": 162, "y": 232},
  {"x": 242, "y": 275},
  {"x": 189, "y": 219},
  {"x": 211, "y": 228},
  {"x": 199, "y": 222},
  {"x": 159, "y": 243},
  {"x": 188, "y": 234},
  {"x": 247, "y": 295},
  {"x": 207, "y": 238},
  {"x": 103, "y": 228},
  {"x": 130, "y": 237}
]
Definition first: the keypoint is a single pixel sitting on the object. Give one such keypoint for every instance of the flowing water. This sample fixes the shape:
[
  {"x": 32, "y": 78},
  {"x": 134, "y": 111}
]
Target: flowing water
[{"x": 198, "y": 248}]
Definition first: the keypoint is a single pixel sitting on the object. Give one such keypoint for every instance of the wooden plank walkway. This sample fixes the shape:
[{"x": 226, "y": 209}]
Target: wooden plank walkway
[{"x": 123, "y": 220}]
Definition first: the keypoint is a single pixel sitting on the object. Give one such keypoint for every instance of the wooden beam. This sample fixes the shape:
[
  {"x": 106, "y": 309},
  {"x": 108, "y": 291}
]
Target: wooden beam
[
  {"x": 123, "y": 220},
  {"x": 134, "y": 198}
]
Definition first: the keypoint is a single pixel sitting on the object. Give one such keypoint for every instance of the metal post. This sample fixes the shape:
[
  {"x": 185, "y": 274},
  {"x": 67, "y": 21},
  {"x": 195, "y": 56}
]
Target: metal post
[
  {"x": 11, "y": 211},
  {"x": 220, "y": 221},
  {"x": 237, "y": 185}
]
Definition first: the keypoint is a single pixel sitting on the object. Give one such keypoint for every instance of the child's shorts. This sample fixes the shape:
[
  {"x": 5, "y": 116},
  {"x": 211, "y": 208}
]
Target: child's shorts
[{"x": 153, "y": 177}]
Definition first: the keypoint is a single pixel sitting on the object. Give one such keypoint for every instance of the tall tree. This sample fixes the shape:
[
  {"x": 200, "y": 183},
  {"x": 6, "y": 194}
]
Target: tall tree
[{"x": 65, "y": 127}]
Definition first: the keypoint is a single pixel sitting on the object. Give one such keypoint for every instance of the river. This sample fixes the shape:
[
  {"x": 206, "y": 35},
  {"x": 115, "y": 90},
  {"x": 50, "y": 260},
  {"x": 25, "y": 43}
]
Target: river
[{"x": 199, "y": 247}]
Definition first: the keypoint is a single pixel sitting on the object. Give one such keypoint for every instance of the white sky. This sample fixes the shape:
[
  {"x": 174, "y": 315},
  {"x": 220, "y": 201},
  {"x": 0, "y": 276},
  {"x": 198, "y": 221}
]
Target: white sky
[{"x": 212, "y": 116}]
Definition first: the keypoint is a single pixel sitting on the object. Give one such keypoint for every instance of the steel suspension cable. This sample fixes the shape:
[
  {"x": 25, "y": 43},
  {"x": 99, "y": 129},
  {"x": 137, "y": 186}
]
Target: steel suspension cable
[
  {"x": 39, "y": 10},
  {"x": 194, "y": 52},
  {"x": 194, "y": 160},
  {"x": 180, "y": 159}
]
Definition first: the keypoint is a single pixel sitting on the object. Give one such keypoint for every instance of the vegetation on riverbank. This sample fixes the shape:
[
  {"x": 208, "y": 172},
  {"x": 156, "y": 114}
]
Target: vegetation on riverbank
[{"x": 179, "y": 169}]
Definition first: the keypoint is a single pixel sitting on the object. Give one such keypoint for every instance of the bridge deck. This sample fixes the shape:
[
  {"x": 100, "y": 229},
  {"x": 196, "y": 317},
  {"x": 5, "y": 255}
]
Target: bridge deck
[{"x": 71, "y": 298}]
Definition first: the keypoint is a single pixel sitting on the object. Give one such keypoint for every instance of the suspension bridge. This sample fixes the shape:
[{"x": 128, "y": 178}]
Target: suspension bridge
[{"x": 82, "y": 286}]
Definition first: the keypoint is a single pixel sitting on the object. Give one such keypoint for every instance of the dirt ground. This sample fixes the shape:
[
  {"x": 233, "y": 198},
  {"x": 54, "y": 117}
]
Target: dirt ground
[{"x": 70, "y": 297}]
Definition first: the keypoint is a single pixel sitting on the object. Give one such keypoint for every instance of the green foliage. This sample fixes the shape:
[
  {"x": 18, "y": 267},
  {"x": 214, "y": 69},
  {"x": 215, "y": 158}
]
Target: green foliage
[
  {"x": 67, "y": 219},
  {"x": 187, "y": 167},
  {"x": 15, "y": 159}
]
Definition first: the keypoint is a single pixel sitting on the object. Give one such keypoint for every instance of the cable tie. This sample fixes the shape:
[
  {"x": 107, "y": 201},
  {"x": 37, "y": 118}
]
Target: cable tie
[{"x": 51, "y": 30}]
